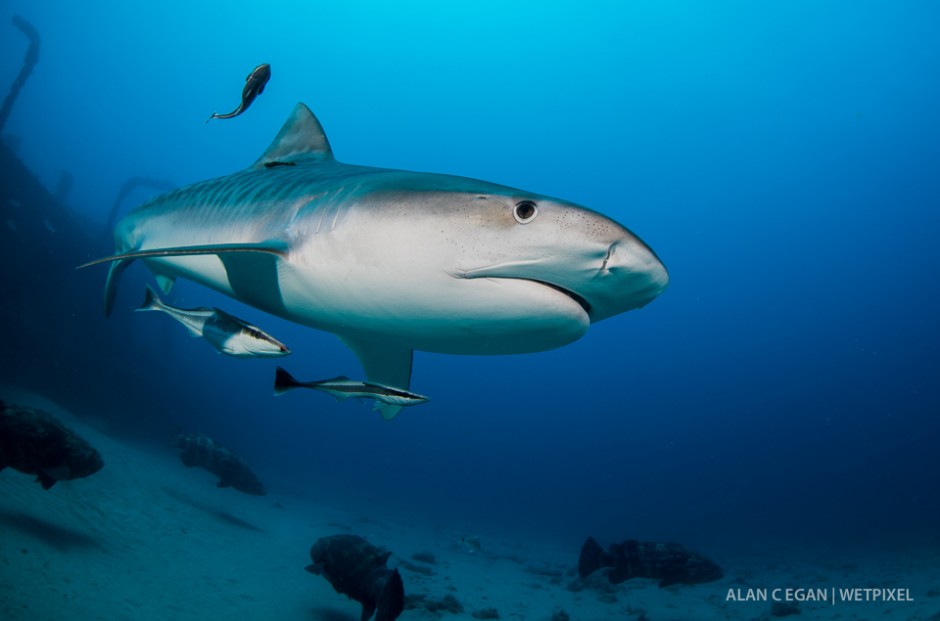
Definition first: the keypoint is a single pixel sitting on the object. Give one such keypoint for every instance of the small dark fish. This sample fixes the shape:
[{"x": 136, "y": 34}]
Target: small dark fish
[
  {"x": 254, "y": 86},
  {"x": 357, "y": 569},
  {"x": 220, "y": 461},
  {"x": 35, "y": 442},
  {"x": 670, "y": 563},
  {"x": 342, "y": 387}
]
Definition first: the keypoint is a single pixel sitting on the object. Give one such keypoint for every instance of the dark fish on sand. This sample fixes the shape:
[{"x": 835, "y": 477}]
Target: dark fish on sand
[
  {"x": 35, "y": 442},
  {"x": 670, "y": 563},
  {"x": 358, "y": 570},
  {"x": 227, "y": 333},
  {"x": 220, "y": 461},
  {"x": 470, "y": 544},
  {"x": 254, "y": 86},
  {"x": 342, "y": 387}
]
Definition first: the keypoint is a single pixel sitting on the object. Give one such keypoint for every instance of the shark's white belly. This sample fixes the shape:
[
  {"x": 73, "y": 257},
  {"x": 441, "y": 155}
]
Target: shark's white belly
[
  {"x": 424, "y": 309},
  {"x": 453, "y": 318}
]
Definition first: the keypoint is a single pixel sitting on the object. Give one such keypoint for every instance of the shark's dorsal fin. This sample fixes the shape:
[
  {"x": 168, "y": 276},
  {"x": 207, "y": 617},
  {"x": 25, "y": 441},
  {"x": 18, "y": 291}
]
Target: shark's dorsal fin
[{"x": 301, "y": 138}]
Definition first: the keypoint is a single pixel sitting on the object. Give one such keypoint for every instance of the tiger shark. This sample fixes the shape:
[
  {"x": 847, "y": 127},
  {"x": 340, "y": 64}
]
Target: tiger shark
[{"x": 391, "y": 261}]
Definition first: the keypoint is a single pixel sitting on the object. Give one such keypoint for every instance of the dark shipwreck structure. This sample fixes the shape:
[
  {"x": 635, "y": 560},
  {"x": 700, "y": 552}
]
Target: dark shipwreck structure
[{"x": 56, "y": 340}]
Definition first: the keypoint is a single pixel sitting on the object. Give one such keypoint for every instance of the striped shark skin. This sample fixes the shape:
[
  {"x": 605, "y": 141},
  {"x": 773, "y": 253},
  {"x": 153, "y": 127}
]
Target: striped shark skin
[{"x": 391, "y": 261}]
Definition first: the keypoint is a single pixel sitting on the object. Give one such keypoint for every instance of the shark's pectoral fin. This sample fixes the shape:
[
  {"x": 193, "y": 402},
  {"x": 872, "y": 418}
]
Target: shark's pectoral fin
[
  {"x": 251, "y": 268},
  {"x": 383, "y": 364},
  {"x": 111, "y": 284},
  {"x": 388, "y": 411},
  {"x": 272, "y": 247},
  {"x": 253, "y": 277}
]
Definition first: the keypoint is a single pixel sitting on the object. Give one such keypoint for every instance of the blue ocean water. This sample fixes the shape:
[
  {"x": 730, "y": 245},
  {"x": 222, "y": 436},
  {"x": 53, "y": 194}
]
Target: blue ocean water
[{"x": 781, "y": 158}]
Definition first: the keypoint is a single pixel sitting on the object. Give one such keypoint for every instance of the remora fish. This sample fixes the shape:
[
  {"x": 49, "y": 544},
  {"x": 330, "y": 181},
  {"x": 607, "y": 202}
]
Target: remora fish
[
  {"x": 357, "y": 569},
  {"x": 670, "y": 563},
  {"x": 35, "y": 442},
  {"x": 254, "y": 86},
  {"x": 223, "y": 462},
  {"x": 228, "y": 334},
  {"x": 342, "y": 387},
  {"x": 391, "y": 261}
]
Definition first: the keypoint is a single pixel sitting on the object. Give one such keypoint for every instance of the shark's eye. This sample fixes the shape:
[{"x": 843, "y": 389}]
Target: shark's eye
[{"x": 525, "y": 211}]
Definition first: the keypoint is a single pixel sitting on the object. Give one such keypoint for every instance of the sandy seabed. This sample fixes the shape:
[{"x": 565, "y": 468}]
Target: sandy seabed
[{"x": 147, "y": 538}]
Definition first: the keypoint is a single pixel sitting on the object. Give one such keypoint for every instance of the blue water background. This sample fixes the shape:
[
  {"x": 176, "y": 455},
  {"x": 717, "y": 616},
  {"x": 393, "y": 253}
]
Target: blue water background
[{"x": 782, "y": 158}]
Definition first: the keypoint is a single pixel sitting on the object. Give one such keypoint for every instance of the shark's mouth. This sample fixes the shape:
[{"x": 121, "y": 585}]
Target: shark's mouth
[
  {"x": 493, "y": 272},
  {"x": 571, "y": 294},
  {"x": 497, "y": 271}
]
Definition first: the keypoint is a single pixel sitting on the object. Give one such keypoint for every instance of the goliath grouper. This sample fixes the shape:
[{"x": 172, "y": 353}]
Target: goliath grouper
[
  {"x": 357, "y": 570},
  {"x": 34, "y": 442},
  {"x": 220, "y": 461},
  {"x": 670, "y": 563}
]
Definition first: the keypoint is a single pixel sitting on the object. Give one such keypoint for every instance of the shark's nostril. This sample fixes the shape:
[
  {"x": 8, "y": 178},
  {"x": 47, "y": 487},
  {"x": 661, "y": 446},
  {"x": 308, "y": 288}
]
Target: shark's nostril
[{"x": 610, "y": 253}]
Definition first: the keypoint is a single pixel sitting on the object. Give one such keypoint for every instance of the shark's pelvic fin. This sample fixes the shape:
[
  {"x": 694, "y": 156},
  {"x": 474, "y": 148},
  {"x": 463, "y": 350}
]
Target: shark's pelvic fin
[
  {"x": 302, "y": 137},
  {"x": 388, "y": 411},
  {"x": 383, "y": 364}
]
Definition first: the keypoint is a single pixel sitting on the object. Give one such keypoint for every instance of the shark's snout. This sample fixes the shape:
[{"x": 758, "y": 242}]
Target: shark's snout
[
  {"x": 657, "y": 279},
  {"x": 604, "y": 277},
  {"x": 629, "y": 276}
]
